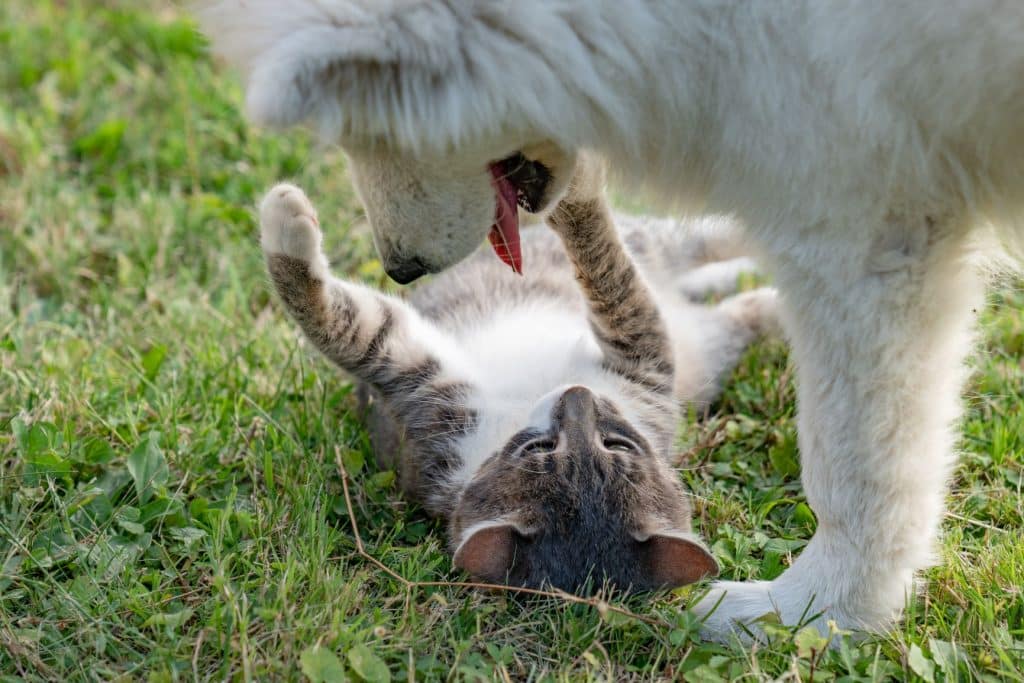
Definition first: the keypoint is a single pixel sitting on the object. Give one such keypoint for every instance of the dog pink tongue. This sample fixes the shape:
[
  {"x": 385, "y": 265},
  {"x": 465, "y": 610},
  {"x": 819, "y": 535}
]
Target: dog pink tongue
[{"x": 504, "y": 235}]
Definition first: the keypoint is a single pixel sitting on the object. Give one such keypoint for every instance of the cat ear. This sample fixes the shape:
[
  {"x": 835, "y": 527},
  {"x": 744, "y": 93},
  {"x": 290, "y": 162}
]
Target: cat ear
[
  {"x": 676, "y": 559},
  {"x": 487, "y": 551}
]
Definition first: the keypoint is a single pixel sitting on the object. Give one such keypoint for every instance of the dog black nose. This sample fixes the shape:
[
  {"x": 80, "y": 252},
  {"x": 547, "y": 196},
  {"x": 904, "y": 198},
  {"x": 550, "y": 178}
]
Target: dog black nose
[{"x": 404, "y": 272}]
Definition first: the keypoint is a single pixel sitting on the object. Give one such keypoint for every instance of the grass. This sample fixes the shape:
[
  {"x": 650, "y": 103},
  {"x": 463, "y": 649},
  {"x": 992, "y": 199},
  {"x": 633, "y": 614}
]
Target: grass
[{"x": 170, "y": 503}]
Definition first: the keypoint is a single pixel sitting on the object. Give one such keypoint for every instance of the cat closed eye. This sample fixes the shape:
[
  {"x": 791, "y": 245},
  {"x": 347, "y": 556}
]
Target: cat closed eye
[
  {"x": 537, "y": 446},
  {"x": 613, "y": 443}
]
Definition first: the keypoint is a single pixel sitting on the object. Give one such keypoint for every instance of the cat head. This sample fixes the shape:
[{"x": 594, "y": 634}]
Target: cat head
[{"x": 576, "y": 500}]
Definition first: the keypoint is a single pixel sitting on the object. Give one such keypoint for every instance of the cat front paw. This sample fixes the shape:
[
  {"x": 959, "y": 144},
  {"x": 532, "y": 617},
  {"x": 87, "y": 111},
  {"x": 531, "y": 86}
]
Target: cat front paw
[{"x": 288, "y": 224}]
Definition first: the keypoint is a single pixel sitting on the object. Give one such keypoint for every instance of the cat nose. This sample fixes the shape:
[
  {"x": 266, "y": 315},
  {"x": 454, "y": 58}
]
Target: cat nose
[
  {"x": 578, "y": 411},
  {"x": 406, "y": 270}
]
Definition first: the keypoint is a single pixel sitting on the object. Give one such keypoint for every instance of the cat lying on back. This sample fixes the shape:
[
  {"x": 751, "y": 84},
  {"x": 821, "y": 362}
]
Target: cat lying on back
[{"x": 536, "y": 414}]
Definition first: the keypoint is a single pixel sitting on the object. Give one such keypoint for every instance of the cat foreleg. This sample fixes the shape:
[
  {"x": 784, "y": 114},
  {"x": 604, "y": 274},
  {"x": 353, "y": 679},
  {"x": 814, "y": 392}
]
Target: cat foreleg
[
  {"x": 624, "y": 317},
  {"x": 377, "y": 338}
]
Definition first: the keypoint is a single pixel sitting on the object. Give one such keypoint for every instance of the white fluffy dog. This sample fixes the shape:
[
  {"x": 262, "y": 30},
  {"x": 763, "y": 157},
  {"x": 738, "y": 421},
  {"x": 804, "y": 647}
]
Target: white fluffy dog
[{"x": 874, "y": 148}]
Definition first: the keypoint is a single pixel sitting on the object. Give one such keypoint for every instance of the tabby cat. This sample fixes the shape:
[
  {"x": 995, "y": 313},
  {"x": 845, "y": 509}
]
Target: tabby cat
[{"x": 536, "y": 414}]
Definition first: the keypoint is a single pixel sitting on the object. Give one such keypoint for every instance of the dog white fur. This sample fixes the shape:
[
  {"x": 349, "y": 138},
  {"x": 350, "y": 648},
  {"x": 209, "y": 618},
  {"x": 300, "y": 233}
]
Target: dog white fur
[{"x": 874, "y": 148}]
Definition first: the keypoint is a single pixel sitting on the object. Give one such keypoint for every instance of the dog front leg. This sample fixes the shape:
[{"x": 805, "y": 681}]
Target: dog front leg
[{"x": 879, "y": 331}]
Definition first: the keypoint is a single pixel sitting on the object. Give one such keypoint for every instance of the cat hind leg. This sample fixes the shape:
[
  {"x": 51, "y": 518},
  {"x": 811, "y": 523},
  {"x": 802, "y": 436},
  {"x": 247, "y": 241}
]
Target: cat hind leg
[
  {"x": 756, "y": 311},
  {"x": 715, "y": 278}
]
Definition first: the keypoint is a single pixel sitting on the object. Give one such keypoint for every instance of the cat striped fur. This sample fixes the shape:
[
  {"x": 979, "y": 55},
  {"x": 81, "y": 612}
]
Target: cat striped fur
[{"x": 535, "y": 414}]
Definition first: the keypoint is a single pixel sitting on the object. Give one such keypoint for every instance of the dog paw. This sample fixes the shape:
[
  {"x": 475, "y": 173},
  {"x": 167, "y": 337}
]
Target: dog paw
[
  {"x": 733, "y": 609},
  {"x": 288, "y": 224}
]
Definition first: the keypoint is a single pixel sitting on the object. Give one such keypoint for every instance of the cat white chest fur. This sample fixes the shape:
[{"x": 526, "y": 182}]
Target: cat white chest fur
[
  {"x": 519, "y": 357},
  {"x": 523, "y": 352}
]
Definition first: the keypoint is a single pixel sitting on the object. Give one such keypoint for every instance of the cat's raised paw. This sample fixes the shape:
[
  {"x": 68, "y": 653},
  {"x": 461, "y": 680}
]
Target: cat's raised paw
[{"x": 288, "y": 224}]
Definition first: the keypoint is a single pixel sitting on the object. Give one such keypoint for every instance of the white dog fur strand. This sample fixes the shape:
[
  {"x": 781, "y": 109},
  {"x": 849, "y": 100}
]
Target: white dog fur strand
[{"x": 871, "y": 146}]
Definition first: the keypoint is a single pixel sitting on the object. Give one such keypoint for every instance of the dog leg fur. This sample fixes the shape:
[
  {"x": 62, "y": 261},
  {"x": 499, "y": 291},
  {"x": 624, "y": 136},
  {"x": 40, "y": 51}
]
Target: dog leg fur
[{"x": 879, "y": 354}]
